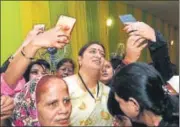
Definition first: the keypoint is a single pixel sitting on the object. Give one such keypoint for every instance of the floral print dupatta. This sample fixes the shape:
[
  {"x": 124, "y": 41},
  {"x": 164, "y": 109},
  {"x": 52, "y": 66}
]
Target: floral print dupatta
[{"x": 25, "y": 112}]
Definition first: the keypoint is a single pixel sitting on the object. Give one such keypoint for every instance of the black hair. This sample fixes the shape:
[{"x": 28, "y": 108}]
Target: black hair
[
  {"x": 113, "y": 105},
  {"x": 116, "y": 60},
  {"x": 64, "y": 60},
  {"x": 40, "y": 62},
  {"x": 83, "y": 49},
  {"x": 142, "y": 82}
]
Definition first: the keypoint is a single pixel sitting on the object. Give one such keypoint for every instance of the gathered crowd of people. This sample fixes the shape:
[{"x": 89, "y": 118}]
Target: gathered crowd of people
[{"x": 116, "y": 92}]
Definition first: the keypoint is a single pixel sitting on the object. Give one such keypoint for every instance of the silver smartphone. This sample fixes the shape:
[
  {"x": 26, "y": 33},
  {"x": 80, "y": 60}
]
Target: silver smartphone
[{"x": 127, "y": 18}]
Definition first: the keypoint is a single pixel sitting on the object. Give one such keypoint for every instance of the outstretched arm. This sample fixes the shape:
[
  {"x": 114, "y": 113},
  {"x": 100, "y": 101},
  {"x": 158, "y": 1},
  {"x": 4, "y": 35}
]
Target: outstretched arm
[
  {"x": 52, "y": 38},
  {"x": 157, "y": 47}
]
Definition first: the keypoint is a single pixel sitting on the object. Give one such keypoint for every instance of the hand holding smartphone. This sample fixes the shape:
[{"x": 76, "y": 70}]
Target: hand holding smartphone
[
  {"x": 64, "y": 21},
  {"x": 127, "y": 18},
  {"x": 40, "y": 26}
]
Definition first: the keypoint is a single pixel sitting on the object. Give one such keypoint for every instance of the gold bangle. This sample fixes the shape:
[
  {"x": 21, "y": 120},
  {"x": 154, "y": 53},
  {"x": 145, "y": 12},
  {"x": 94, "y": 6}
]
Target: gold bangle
[{"x": 22, "y": 52}]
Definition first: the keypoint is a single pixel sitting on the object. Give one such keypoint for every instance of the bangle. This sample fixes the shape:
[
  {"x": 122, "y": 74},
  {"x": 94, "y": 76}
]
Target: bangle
[{"x": 22, "y": 52}]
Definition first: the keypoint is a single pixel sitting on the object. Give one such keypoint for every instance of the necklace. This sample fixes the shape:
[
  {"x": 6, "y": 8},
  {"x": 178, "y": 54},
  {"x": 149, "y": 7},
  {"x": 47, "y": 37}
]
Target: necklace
[{"x": 88, "y": 88}]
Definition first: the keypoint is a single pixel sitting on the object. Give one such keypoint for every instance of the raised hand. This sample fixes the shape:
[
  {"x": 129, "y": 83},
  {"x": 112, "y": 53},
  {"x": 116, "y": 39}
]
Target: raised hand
[
  {"x": 7, "y": 106},
  {"x": 55, "y": 37},
  {"x": 134, "y": 46},
  {"x": 140, "y": 29},
  {"x": 34, "y": 32}
]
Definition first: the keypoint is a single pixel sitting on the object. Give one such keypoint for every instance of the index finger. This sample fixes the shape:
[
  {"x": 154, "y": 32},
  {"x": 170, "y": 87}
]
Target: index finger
[{"x": 142, "y": 46}]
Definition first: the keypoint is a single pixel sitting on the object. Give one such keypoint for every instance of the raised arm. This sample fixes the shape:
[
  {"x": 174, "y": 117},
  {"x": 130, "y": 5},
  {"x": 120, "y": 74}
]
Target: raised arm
[
  {"x": 54, "y": 37},
  {"x": 134, "y": 47},
  {"x": 160, "y": 56},
  {"x": 34, "y": 32},
  {"x": 157, "y": 46}
]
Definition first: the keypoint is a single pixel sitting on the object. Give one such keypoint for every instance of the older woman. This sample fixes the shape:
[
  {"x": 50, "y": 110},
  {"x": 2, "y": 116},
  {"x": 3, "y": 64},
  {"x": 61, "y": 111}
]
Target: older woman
[
  {"x": 88, "y": 95},
  {"x": 138, "y": 92},
  {"x": 43, "y": 102}
]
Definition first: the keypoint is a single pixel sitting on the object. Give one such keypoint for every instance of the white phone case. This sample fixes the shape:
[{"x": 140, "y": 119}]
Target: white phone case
[{"x": 65, "y": 20}]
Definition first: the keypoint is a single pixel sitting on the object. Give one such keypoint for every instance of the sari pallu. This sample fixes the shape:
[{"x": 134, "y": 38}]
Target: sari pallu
[{"x": 25, "y": 112}]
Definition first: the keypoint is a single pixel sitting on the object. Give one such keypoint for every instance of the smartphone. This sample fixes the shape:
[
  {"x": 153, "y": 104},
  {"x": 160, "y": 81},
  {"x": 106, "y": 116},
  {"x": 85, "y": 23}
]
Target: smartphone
[
  {"x": 127, "y": 18},
  {"x": 63, "y": 20},
  {"x": 130, "y": 18},
  {"x": 68, "y": 21}
]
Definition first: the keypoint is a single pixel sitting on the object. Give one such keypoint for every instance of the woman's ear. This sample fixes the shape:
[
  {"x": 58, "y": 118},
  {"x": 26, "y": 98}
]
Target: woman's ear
[{"x": 135, "y": 104}]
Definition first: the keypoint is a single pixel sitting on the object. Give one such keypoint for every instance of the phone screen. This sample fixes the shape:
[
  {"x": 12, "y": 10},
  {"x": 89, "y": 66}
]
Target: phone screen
[{"x": 127, "y": 18}]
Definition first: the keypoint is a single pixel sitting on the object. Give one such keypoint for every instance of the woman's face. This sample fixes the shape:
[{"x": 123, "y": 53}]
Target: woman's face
[
  {"x": 129, "y": 108},
  {"x": 37, "y": 71},
  {"x": 65, "y": 70},
  {"x": 93, "y": 57},
  {"x": 106, "y": 72},
  {"x": 54, "y": 106}
]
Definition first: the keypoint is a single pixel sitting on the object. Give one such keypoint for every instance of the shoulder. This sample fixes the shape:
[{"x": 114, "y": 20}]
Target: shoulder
[
  {"x": 105, "y": 87},
  {"x": 72, "y": 83},
  {"x": 70, "y": 79},
  {"x": 7, "y": 90}
]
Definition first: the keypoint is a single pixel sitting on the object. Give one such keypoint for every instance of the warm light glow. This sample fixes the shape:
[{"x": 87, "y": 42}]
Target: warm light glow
[
  {"x": 172, "y": 42},
  {"x": 109, "y": 22}
]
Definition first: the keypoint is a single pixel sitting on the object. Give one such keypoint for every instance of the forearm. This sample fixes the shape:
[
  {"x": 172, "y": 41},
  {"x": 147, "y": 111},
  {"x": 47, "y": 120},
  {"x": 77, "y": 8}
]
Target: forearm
[
  {"x": 20, "y": 48},
  {"x": 19, "y": 64},
  {"x": 158, "y": 43}
]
